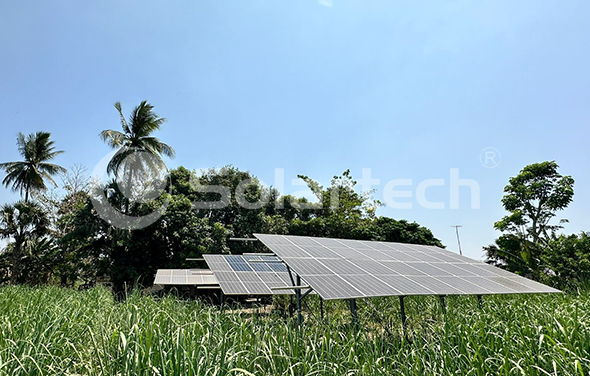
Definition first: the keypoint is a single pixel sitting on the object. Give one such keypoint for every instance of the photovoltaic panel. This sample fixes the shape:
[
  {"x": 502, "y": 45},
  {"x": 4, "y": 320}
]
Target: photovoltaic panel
[
  {"x": 454, "y": 270},
  {"x": 194, "y": 277},
  {"x": 249, "y": 274},
  {"x": 260, "y": 267},
  {"x": 368, "y": 284},
  {"x": 333, "y": 286},
  {"x": 312, "y": 266},
  {"x": 343, "y": 268},
  {"x": 402, "y": 268}
]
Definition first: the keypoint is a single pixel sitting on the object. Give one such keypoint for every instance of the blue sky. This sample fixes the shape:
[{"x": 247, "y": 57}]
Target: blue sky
[{"x": 407, "y": 89}]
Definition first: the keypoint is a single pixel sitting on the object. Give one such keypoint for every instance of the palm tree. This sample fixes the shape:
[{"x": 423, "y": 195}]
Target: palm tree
[
  {"x": 136, "y": 136},
  {"x": 30, "y": 174},
  {"x": 25, "y": 224}
]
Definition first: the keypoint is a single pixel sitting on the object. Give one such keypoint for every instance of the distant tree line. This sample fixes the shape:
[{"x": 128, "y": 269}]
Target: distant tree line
[{"x": 57, "y": 236}]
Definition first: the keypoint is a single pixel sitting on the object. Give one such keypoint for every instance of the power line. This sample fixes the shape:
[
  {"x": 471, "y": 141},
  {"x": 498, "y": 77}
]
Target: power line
[{"x": 458, "y": 241}]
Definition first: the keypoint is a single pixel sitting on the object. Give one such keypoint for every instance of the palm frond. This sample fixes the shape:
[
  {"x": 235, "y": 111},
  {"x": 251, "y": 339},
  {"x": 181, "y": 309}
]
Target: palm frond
[
  {"x": 145, "y": 121},
  {"x": 158, "y": 146},
  {"x": 35, "y": 180},
  {"x": 6, "y": 166},
  {"x": 16, "y": 178},
  {"x": 51, "y": 168},
  {"x": 44, "y": 149},
  {"x": 21, "y": 144},
  {"x": 136, "y": 137},
  {"x": 124, "y": 124},
  {"x": 113, "y": 138},
  {"x": 168, "y": 151},
  {"x": 118, "y": 159},
  {"x": 47, "y": 176}
]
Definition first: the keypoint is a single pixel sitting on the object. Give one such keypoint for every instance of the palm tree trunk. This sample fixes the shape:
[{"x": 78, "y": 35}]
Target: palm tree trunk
[{"x": 15, "y": 270}]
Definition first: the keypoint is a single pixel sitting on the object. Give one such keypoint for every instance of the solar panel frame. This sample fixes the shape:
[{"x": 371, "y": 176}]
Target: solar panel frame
[{"x": 370, "y": 269}]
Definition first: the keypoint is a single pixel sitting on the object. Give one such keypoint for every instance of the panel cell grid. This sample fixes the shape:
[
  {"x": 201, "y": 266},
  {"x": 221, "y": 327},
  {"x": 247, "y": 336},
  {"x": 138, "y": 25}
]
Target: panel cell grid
[
  {"x": 191, "y": 277},
  {"x": 346, "y": 269},
  {"x": 391, "y": 255},
  {"x": 249, "y": 274}
]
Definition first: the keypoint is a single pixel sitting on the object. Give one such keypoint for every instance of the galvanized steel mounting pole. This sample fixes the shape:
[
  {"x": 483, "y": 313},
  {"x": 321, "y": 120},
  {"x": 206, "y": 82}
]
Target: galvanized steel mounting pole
[
  {"x": 443, "y": 304},
  {"x": 402, "y": 311},
  {"x": 353, "y": 314},
  {"x": 298, "y": 296}
]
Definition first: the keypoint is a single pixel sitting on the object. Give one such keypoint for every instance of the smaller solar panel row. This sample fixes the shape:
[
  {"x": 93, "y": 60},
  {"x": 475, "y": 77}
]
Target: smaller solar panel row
[{"x": 196, "y": 277}]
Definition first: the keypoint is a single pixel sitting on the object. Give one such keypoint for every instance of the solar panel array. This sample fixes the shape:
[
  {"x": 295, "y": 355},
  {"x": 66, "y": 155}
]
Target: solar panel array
[
  {"x": 346, "y": 269},
  {"x": 238, "y": 275},
  {"x": 195, "y": 277}
]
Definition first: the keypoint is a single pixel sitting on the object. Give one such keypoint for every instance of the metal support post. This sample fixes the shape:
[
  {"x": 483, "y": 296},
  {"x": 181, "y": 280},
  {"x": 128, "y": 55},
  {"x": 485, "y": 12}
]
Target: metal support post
[
  {"x": 290, "y": 275},
  {"x": 353, "y": 314},
  {"x": 442, "y": 303},
  {"x": 298, "y": 297},
  {"x": 402, "y": 311}
]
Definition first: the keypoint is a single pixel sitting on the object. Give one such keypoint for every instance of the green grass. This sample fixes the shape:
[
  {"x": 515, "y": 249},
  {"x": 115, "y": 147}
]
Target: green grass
[{"x": 52, "y": 331}]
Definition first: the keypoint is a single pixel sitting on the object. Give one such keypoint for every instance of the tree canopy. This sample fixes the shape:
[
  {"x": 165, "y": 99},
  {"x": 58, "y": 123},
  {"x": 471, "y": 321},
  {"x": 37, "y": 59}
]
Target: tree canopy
[
  {"x": 533, "y": 198},
  {"x": 529, "y": 239},
  {"x": 136, "y": 136},
  {"x": 29, "y": 175}
]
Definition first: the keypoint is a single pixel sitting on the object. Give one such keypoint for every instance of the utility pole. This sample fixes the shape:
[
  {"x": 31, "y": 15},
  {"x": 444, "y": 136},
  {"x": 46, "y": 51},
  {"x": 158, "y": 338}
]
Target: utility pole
[{"x": 458, "y": 241}]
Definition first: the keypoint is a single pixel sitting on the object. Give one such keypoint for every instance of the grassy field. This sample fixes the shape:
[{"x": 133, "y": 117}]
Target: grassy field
[{"x": 52, "y": 331}]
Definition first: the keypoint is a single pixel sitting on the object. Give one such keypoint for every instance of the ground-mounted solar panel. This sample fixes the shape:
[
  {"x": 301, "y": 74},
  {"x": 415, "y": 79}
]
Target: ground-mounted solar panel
[
  {"x": 249, "y": 274},
  {"x": 333, "y": 286},
  {"x": 190, "y": 277},
  {"x": 346, "y": 269}
]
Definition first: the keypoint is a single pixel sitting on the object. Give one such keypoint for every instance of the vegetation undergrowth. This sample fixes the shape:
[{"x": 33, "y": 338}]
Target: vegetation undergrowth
[{"x": 50, "y": 330}]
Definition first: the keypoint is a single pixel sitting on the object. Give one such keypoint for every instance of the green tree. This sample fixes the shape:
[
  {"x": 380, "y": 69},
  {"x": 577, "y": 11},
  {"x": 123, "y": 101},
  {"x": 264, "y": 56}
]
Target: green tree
[
  {"x": 25, "y": 225},
  {"x": 402, "y": 231},
  {"x": 129, "y": 257},
  {"x": 340, "y": 199},
  {"x": 568, "y": 257},
  {"x": 136, "y": 136},
  {"x": 29, "y": 175},
  {"x": 199, "y": 219},
  {"x": 238, "y": 206},
  {"x": 532, "y": 198},
  {"x": 507, "y": 253},
  {"x": 87, "y": 241},
  {"x": 342, "y": 212},
  {"x": 59, "y": 205},
  {"x": 182, "y": 233}
]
